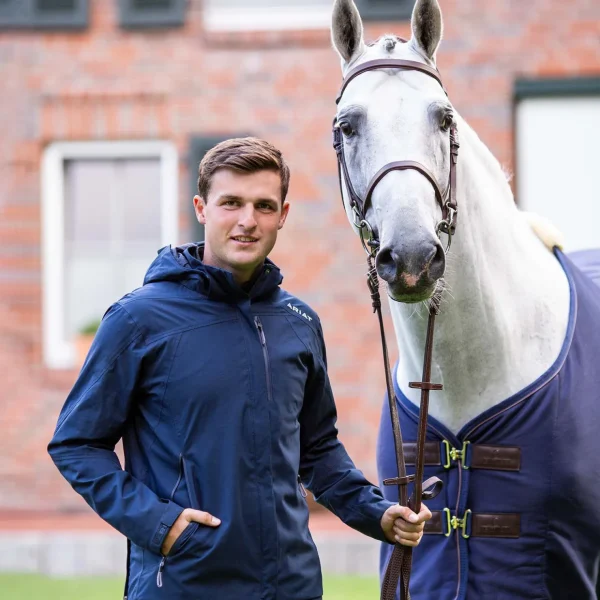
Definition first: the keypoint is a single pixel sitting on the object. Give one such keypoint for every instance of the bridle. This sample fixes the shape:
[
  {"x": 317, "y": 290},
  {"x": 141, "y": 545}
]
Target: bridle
[
  {"x": 359, "y": 207},
  {"x": 400, "y": 564}
]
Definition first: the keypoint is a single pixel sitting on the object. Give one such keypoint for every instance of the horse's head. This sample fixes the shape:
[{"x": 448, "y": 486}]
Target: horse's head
[{"x": 397, "y": 115}]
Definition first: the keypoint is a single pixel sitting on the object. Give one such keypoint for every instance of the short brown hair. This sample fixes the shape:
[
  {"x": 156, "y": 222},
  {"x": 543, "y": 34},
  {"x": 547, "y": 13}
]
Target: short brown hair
[{"x": 246, "y": 155}]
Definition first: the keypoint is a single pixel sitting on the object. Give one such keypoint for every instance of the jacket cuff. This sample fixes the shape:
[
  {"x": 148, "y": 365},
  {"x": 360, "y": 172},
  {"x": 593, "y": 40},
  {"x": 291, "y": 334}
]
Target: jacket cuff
[
  {"x": 374, "y": 529},
  {"x": 169, "y": 516}
]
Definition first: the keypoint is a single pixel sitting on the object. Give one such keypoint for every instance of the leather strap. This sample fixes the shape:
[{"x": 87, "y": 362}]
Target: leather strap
[
  {"x": 404, "y": 165},
  {"x": 480, "y": 456},
  {"x": 431, "y": 456},
  {"x": 400, "y": 563},
  {"x": 495, "y": 458},
  {"x": 389, "y": 63},
  {"x": 500, "y": 525}
]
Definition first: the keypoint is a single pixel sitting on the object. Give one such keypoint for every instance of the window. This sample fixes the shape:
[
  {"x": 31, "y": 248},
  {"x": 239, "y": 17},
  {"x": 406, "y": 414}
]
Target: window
[
  {"x": 385, "y": 10},
  {"x": 50, "y": 14},
  {"x": 152, "y": 13},
  {"x": 557, "y": 125},
  {"x": 107, "y": 207},
  {"x": 266, "y": 15}
]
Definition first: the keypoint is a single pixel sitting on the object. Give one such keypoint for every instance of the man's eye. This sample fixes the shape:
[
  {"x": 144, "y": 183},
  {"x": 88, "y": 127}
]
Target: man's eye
[{"x": 265, "y": 207}]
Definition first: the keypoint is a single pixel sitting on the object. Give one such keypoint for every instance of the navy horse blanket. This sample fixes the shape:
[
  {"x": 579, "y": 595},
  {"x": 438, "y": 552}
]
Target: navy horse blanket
[{"x": 519, "y": 515}]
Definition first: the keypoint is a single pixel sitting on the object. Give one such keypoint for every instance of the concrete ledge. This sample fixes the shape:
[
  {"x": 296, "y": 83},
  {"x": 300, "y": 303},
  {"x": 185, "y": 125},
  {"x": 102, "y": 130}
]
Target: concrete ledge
[{"x": 93, "y": 553}]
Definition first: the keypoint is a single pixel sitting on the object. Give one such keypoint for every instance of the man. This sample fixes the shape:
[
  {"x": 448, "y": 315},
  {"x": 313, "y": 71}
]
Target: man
[{"x": 215, "y": 379}]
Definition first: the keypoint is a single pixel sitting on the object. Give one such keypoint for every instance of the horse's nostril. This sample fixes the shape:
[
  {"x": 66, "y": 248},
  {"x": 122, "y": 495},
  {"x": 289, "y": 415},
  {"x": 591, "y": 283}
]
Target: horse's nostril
[
  {"x": 385, "y": 264},
  {"x": 437, "y": 265},
  {"x": 384, "y": 257}
]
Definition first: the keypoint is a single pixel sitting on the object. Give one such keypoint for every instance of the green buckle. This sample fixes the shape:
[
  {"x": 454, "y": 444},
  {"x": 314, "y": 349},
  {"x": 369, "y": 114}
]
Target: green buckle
[
  {"x": 461, "y": 524},
  {"x": 451, "y": 454},
  {"x": 448, "y": 522}
]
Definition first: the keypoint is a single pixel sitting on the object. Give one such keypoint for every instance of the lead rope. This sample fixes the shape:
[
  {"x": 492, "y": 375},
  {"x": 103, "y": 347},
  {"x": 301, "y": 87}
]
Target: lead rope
[{"x": 400, "y": 563}]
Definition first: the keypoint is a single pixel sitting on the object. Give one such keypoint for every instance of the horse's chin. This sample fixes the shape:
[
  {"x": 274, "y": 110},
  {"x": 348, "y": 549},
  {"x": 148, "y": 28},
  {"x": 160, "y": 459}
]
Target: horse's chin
[{"x": 411, "y": 295}]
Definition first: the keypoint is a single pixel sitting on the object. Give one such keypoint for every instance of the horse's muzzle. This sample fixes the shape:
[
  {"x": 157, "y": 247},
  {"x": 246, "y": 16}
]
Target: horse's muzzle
[{"x": 411, "y": 275}]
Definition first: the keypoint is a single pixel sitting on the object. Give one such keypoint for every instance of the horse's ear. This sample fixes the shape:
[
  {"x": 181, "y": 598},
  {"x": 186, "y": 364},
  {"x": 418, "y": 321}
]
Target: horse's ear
[
  {"x": 346, "y": 29},
  {"x": 427, "y": 27}
]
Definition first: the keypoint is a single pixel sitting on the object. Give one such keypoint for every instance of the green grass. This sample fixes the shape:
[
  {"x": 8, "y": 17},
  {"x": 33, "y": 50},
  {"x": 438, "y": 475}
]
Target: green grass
[{"x": 37, "y": 587}]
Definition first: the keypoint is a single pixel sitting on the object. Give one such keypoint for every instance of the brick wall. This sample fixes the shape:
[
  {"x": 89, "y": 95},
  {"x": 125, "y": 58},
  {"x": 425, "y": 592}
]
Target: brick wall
[{"x": 106, "y": 83}]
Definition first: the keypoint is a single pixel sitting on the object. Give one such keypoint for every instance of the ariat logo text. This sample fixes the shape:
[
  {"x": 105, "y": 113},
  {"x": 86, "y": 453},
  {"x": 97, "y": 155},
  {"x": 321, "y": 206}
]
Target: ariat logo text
[{"x": 300, "y": 312}]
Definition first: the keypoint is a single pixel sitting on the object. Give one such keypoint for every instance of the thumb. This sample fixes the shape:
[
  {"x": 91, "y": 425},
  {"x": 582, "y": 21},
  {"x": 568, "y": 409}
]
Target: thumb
[
  {"x": 403, "y": 512},
  {"x": 202, "y": 517}
]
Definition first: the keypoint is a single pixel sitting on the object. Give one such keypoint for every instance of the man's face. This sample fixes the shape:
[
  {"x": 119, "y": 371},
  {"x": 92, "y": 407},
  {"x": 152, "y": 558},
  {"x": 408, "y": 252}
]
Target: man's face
[{"x": 242, "y": 215}]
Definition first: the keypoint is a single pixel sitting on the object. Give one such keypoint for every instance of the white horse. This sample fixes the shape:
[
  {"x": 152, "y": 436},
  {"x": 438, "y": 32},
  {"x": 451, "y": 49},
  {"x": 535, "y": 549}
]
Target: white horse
[
  {"x": 507, "y": 306},
  {"x": 507, "y": 300}
]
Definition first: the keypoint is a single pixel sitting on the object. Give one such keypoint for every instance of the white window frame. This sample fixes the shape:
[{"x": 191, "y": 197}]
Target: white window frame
[
  {"x": 58, "y": 352},
  {"x": 267, "y": 18}
]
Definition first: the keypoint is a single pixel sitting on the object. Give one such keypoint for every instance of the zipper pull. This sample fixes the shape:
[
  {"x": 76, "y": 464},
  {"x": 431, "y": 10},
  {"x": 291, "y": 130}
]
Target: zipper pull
[
  {"x": 261, "y": 333},
  {"x": 161, "y": 568},
  {"x": 302, "y": 488}
]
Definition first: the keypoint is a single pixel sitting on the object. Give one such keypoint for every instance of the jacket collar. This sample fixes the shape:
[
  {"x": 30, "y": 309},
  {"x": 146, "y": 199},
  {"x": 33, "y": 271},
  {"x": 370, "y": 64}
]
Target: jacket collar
[{"x": 184, "y": 264}]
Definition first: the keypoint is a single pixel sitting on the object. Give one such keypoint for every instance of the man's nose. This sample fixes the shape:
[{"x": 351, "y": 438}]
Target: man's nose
[{"x": 248, "y": 217}]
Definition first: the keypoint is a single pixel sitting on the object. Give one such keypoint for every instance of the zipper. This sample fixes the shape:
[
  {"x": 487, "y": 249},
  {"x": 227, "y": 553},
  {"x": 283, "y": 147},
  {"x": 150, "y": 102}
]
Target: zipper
[
  {"x": 161, "y": 566},
  {"x": 263, "y": 341},
  {"x": 178, "y": 478},
  {"x": 302, "y": 488}
]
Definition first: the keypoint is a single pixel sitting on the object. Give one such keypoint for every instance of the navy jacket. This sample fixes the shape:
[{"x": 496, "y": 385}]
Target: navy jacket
[
  {"x": 222, "y": 399},
  {"x": 553, "y": 486}
]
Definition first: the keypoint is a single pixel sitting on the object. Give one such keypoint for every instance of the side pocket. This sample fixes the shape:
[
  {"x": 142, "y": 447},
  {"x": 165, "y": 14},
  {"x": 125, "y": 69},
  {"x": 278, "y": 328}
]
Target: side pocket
[{"x": 186, "y": 534}]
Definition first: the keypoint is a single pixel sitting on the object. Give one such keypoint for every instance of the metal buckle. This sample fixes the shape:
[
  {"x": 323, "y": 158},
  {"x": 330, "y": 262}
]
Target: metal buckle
[
  {"x": 462, "y": 524},
  {"x": 453, "y": 454},
  {"x": 446, "y": 512},
  {"x": 445, "y": 227},
  {"x": 370, "y": 245},
  {"x": 447, "y": 460},
  {"x": 464, "y": 456}
]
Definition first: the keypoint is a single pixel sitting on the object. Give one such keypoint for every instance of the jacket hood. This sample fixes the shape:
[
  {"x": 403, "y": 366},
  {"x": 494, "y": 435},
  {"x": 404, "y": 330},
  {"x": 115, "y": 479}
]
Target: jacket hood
[{"x": 183, "y": 264}]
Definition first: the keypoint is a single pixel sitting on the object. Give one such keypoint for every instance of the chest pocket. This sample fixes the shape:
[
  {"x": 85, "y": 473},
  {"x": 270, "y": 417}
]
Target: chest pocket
[{"x": 288, "y": 361}]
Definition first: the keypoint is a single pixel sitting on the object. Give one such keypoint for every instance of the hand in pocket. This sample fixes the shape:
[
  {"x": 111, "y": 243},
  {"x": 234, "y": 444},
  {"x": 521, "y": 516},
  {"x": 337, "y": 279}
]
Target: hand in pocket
[{"x": 189, "y": 515}]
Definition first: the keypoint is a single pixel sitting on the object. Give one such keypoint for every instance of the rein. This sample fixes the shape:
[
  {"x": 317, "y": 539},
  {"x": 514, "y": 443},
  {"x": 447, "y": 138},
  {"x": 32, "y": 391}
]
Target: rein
[{"x": 400, "y": 564}]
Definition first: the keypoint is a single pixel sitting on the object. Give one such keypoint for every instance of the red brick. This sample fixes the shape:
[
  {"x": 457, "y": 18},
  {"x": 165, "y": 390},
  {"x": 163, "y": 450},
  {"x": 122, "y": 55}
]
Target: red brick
[{"x": 178, "y": 83}]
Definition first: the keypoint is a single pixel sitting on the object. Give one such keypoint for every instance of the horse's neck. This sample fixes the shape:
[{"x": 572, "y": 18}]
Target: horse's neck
[{"x": 504, "y": 315}]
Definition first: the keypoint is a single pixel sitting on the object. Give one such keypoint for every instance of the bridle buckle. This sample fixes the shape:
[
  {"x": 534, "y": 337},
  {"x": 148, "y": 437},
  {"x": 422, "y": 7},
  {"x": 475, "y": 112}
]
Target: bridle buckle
[{"x": 369, "y": 244}]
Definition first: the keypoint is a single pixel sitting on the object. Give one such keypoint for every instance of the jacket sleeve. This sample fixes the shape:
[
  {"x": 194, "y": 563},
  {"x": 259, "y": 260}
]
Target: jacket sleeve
[
  {"x": 325, "y": 467},
  {"x": 92, "y": 422}
]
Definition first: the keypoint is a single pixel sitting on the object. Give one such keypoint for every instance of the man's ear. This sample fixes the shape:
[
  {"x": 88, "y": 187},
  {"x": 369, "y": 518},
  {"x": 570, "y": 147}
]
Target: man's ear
[
  {"x": 200, "y": 209},
  {"x": 284, "y": 213}
]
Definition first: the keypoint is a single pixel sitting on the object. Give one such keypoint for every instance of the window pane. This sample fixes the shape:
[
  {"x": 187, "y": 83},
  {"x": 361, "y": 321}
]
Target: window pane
[
  {"x": 139, "y": 192},
  {"x": 112, "y": 232},
  {"x": 566, "y": 195},
  {"x": 88, "y": 191},
  {"x": 264, "y": 15}
]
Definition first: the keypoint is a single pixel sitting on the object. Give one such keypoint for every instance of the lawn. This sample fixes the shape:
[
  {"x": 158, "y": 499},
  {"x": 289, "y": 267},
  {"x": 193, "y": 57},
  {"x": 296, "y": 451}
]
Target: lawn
[{"x": 37, "y": 587}]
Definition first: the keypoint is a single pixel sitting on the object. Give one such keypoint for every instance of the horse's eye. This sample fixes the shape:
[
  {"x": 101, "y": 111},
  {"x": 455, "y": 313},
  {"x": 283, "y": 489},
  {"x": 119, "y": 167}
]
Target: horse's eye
[
  {"x": 447, "y": 122},
  {"x": 346, "y": 128}
]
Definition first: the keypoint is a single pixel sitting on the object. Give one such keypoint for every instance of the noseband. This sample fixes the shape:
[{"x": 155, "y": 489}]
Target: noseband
[
  {"x": 447, "y": 200},
  {"x": 400, "y": 564}
]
